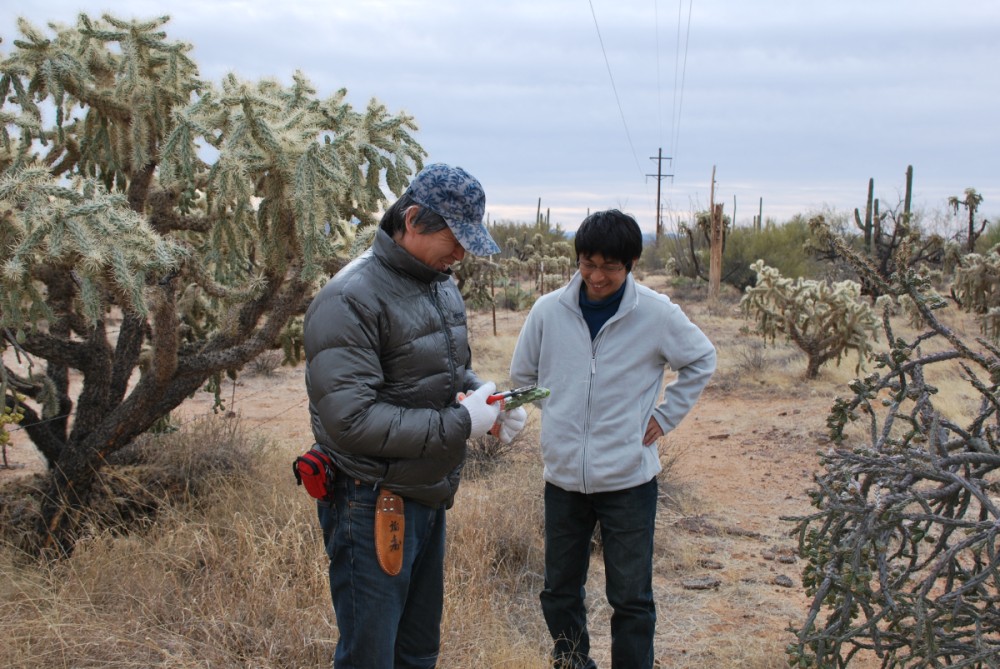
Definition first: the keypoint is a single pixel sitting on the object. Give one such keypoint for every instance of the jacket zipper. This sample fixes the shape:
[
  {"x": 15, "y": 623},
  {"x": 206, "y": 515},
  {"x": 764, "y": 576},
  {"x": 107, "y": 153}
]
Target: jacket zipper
[
  {"x": 432, "y": 288},
  {"x": 590, "y": 385},
  {"x": 589, "y": 409}
]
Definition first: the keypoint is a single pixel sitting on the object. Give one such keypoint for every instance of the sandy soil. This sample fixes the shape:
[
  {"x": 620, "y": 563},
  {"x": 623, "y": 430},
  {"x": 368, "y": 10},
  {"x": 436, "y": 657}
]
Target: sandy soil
[{"x": 744, "y": 458}]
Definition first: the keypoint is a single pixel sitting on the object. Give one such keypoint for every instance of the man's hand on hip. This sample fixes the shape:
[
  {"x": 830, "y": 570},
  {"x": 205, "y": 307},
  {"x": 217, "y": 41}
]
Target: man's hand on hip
[{"x": 653, "y": 432}]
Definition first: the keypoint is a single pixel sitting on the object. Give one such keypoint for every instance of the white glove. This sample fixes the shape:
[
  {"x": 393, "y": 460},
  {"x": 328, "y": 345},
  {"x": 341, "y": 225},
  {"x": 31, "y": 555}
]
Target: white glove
[
  {"x": 483, "y": 415},
  {"x": 511, "y": 423}
]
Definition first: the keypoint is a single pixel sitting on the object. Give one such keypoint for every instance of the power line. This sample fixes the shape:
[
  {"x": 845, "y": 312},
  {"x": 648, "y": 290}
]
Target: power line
[
  {"x": 660, "y": 176},
  {"x": 679, "y": 97},
  {"x": 614, "y": 88},
  {"x": 680, "y": 75},
  {"x": 659, "y": 78}
]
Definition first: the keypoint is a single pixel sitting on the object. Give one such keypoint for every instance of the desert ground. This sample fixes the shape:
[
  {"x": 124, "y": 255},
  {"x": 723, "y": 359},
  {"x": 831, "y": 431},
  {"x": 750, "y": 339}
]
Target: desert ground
[{"x": 728, "y": 579}]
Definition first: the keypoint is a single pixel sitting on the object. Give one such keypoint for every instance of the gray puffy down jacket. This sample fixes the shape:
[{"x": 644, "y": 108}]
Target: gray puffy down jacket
[{"x": 387, "y": 350}]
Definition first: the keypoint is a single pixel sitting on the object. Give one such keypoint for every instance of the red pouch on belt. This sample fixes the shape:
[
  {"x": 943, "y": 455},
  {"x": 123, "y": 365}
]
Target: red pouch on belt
[{"x": 315, "y": 471}]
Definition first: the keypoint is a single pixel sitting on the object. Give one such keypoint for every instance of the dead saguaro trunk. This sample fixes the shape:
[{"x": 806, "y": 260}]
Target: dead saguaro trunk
[{"x": 715, "y": 258}]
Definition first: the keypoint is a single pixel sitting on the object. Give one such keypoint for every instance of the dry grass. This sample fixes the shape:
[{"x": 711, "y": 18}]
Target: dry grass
[
  {"x": 233, "y": 581},
  {"x": 494, "y": 573},
  {"x": 241, "y": 582},
  {"x": 232, "y": 572}
]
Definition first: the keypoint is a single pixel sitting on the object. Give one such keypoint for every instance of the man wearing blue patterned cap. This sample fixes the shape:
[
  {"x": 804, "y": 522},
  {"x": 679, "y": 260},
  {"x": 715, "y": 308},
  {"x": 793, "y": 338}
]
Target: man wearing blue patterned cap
[{"x": 387, "y": 359}]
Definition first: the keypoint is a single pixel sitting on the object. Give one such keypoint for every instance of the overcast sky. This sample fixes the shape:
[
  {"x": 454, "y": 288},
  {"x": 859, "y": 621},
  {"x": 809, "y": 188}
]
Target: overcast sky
[{"x": 794, "y": 102}]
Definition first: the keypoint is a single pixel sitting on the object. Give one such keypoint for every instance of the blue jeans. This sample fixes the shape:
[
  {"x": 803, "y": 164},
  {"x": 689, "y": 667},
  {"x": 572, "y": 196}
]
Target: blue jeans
[
  {"x": 385, "y": 622},
  {"x": 627, "y": 519}
]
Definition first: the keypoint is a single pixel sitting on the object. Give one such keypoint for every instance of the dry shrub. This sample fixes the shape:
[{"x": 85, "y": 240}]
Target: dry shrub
[
  {"x": 494, "y": 572},
  {"x": 196, "y": 458},
  {"x": 751, "y": 357},
  {"x": 484, "y": 455},
  {"x": 492, "y": 356},
  {"x": 674, "y": 550},
  {"x": 674, "y": 493},
  {"x": 747, "y": 362},
  {"x": 266, "y": 363},
  {"x": 497, "y": 521},
  {"x": 20, "y": 512},
  {"x": 685, "y": 290},
  {"x": 722, "y": 308},
  {"x": 236, "y": 580},
  {"x": 152, "y": 473}
]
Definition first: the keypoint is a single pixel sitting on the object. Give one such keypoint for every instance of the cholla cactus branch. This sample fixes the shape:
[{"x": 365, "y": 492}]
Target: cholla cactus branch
[
  {"x": 901, "y": 555},
  {"x": 824, "y": 320},
  {"x": 124, "y": 247}
]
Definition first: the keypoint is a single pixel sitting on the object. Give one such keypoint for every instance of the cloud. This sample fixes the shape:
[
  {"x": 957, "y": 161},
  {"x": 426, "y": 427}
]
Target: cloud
[{"x": 796, "y": 103}]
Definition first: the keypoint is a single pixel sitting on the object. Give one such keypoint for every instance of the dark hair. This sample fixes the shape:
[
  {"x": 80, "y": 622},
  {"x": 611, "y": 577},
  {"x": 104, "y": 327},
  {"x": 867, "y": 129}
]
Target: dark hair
[
  {"x": 614, "y": 235},
  {"x": 394, "y": 218}
]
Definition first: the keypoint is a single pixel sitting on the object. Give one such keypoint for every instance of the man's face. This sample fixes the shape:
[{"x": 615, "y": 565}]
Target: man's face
[
  {"x": 600, "y": 276},
  {"x": 439, "y": 250}
]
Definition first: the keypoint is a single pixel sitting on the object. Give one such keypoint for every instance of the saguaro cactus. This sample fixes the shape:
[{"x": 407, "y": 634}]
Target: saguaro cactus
[
  {"x": 866, "y": 226},
  {"x": 971, "y": 202}
]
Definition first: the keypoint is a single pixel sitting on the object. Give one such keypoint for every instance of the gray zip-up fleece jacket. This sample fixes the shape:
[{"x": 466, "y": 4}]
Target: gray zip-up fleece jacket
[
  {"x": 604, "y": 391},
  {"x": 387, "y": 350}
]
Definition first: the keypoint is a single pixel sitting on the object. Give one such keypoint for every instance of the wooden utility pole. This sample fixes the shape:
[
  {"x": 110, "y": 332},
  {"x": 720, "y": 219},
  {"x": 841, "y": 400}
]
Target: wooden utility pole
[
  {"x": 660, "y": 176},
  {"x": 715, "y": 242}
]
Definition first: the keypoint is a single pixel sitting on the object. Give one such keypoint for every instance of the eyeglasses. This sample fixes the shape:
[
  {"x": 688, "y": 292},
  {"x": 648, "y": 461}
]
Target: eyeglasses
[{"x": 607, "y": 268}]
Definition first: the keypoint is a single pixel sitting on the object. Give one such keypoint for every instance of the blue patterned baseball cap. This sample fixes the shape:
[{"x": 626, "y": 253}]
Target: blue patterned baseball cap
[{"x": 458, "y": 198}]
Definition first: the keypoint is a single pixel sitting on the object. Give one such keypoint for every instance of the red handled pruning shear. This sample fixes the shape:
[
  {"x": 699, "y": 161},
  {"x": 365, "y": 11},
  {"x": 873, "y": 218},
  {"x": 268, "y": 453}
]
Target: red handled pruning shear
[{"x": 511, "y": 399}]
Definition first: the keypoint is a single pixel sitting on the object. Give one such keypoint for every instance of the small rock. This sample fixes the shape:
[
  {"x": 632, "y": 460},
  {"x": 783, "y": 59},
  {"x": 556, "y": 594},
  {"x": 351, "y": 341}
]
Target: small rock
[
  {"x": 783, "y": 581},
  {"x": 701, "y": 583},
  {"x": 698, "y": 525}
]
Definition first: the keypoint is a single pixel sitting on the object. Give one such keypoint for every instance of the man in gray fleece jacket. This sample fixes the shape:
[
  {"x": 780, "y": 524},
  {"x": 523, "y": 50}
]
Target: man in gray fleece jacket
[{"x": 601, "y": 344}]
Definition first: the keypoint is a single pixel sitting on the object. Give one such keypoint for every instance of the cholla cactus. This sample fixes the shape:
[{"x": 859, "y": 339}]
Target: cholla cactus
[
  {"x": 825, "y": 320},
  {"x": 9, "y": 415},
  {"x": 977, "y": 288},
  {"x": 476, "y": 276},
  {"x": 148, "y": 216},
  {"x": 900, "y": 552}
]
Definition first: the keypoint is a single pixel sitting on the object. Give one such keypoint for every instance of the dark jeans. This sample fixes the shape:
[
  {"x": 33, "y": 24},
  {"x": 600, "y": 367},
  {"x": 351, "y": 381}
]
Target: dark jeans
[
  {"x": 627, "y": 519},
  {"x": 385, "y": 622}
]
